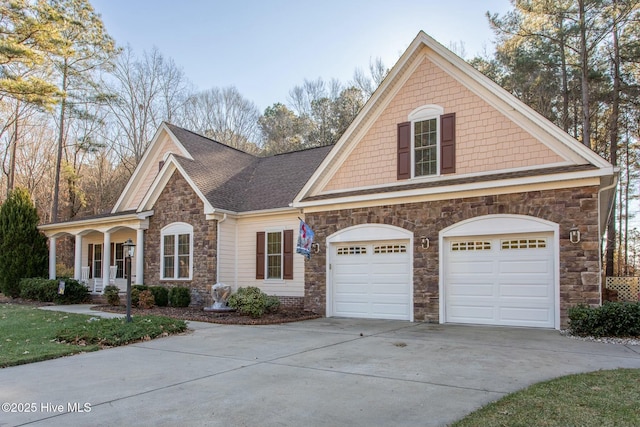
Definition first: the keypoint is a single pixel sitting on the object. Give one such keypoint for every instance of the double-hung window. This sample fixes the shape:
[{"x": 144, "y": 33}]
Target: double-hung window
[
  {"x": 425, "y": 147},
  {"x": 177, "y": 251},
  {"x": 274, "y": 255},
  {"x": 426, "y": 143}
]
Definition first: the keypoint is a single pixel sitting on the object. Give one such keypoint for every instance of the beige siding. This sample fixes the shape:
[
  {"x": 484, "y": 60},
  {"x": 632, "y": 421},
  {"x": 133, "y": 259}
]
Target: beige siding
[
  {"x": 165, "y": 146},
  {"x": 486, "y": 140},
  {"x": 227, "y": 252},
  {"x": 247, "y": 229}
]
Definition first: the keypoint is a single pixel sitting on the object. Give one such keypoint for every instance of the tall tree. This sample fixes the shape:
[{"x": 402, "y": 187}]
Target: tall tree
[
  {"x": 369, "y": 83},
  {"x": 225, "y": 116},
  {"x": 87, "y": 48},
  {"x": 29, "y": 33},
  {"x": 281, "y": 129},
  {"x": 23, "y": 248},
  {"x": 139, "y": 94}
]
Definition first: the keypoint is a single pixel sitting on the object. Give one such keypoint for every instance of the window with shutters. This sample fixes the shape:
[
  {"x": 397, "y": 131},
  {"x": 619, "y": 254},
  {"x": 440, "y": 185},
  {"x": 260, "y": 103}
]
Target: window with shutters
[
  {"x": 176, "y": 252},
  {"x": 426, "y": 143},
  {"x": 274, "y": 255},
  {"x": 425, "y": 147}
]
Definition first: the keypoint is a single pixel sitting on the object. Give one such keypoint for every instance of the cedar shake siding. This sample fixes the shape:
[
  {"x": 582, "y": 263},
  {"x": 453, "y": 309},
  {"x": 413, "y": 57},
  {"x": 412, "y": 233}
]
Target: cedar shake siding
[
  {"x": 579, "y": 264},
  {"x": 179, "y": 203}
]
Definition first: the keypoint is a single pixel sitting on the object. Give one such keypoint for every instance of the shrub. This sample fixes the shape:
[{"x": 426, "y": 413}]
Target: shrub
[
  {"x": 253, "y": 302},
  {"x": 160, "y": 295},
  {"x": 63, "y": 271},
  {"x": 179, "y": 297},
  {"x": 135, "y": 297},
  {"x": 135, "y": 294},
  {"x": 74, "y": 292},
  {"x": 23, "y": 248},
  {"x": 38, "y": 289},
  {"x": 612, "y": 319},
  {"x": 113, "y": 295},
  {"x": 146, "y": 300},
  {"x": 45, "y": 290}
]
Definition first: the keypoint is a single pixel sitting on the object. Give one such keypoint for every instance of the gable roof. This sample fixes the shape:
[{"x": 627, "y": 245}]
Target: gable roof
[
  {"x": 231, "y": 180},
  {"x": 566, "y": 147}
]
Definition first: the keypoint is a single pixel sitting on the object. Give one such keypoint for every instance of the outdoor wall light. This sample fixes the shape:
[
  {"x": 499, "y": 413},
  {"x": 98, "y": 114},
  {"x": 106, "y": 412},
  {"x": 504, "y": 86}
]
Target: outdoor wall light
[
  {"x": 424, "y": 242},
  {"x": 315, "y": 247},
  {"x": 574, "y": 235}
]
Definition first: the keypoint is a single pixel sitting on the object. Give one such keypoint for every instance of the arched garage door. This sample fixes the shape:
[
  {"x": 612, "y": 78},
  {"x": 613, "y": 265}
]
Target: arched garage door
[
  {"x": 370, "y": 278},
  {"x": 500, "y": 279}
]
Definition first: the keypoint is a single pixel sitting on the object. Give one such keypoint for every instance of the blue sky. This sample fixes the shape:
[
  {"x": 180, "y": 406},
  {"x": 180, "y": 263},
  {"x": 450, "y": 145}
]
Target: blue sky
[{"x": 265, "y": 48}]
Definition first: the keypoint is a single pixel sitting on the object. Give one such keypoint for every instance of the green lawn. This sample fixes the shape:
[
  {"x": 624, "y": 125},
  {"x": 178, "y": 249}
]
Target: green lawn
[
  {"x": 595, "y": 399},
  {"x": 28, "y": 334}
]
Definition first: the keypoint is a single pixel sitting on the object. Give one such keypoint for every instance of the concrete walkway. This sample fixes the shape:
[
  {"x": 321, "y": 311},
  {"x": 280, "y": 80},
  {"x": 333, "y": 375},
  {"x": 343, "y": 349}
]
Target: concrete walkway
[{"x": 323, "y": 372}]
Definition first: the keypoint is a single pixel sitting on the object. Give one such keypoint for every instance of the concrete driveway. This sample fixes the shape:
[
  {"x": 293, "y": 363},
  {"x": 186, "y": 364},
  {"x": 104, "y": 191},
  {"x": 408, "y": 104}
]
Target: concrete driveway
[{"x": 324, "y": 372}]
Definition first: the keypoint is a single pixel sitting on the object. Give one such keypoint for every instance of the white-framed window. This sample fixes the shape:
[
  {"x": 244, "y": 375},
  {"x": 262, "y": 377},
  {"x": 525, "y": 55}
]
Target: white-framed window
[
  {"x": 119, "y": 260},
  {"x": 274, "y": 254},
  {"x": 176, "y": 251},
  {"x": 425, "y": 140},
  {"x": 96, "y": 261}
]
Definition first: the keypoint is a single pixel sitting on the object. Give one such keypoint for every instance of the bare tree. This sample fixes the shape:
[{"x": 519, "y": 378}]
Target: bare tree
[
  {"x": 369, "y": 83},
  {"x": 225, "y": 116},
  {"x": 140, "y": 94}
]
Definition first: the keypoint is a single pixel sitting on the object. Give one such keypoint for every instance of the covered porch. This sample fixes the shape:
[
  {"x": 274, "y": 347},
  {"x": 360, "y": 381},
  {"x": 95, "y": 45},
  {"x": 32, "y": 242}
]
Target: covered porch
[{"x": 99, "y": 258}]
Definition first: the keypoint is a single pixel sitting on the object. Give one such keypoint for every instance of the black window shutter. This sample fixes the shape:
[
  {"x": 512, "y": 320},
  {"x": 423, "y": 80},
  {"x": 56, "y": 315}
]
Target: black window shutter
[
  {"x": 90, "y": 256},
  {"x": 404, "y": 150},
  {"x": 448, "y": 143},
  {"x": 260, "y": 247},
  {"x": 288, "y": 255}
]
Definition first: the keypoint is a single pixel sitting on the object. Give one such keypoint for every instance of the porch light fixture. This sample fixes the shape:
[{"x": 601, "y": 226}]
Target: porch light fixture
[
  {"x": 129, "y": 249},
  {"x": 424, "y": 242},
  {"x": 574, "y": 235},
  {"x": 315, "y": 247}
]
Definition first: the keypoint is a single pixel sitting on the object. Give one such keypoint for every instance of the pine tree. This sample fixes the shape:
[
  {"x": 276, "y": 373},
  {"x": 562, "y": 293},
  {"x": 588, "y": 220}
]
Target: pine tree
[{"x": 23, "y": 248}]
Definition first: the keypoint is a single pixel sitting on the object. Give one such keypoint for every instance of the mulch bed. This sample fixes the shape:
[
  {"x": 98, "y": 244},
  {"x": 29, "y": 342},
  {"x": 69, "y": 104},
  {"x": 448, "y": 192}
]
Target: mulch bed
[{"x": 230, "y": 318}]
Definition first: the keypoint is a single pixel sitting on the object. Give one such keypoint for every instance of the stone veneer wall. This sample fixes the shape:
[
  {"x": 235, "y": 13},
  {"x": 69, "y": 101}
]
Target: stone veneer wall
[
  {"x": 179, "y": 203},
  {"x": 579, "y": 263}
]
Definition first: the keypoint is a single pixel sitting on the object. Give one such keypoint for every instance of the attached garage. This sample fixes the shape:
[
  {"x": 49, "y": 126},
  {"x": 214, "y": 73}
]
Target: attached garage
[
  {"x": 370, "y": 278},
  {"x": 499, "y": 279}
]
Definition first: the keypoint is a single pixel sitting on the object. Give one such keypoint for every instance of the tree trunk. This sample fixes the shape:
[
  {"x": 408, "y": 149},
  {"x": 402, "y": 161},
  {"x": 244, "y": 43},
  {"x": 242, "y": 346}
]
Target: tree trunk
[
  {"x": 613, "y": 149},
  {"x": 584, "y": 60},
  {"x": 565, "y": 84},
  {"x": 12, "y": 152},
  {"x": 56, "y": 184}
]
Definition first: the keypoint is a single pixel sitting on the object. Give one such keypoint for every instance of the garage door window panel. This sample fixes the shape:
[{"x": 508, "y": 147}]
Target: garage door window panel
[
  {"x": 523, "y": 244},
  {"x": 471, "y": 246}
]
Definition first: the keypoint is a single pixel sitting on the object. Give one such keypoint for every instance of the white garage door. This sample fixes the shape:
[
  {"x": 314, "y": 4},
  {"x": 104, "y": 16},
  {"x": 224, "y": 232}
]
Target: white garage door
[
  {"x": 371, "y": 280},
  {"x": 500, "y": 280}
]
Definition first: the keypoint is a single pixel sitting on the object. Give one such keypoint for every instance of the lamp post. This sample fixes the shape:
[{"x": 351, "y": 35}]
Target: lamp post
[{"x": 129, "y": 249}]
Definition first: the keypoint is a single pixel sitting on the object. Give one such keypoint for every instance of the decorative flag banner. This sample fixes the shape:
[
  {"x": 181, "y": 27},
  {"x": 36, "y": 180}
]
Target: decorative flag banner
[{"x": 305, "y": 239}]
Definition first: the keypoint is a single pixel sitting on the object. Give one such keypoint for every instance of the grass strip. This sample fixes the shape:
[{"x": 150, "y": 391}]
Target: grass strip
[
  {"x": 28, "y": 334},
  {"x": 594, "y": 399}
]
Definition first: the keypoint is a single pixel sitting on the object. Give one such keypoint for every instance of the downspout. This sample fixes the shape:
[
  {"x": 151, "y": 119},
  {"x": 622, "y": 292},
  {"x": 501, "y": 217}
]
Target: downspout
[
  {"x": 600, "y": 231},
  {"x": 220, "y": 221}
]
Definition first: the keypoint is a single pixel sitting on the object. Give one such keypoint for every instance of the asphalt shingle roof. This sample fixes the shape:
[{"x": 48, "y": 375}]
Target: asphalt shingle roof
[{"x": 237, "y": 181}]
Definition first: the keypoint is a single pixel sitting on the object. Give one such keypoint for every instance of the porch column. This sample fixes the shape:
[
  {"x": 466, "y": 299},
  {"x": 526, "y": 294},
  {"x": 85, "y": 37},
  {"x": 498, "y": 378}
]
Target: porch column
[
  {"x": 106, "y": 259},
  {"x": 77, "y": 265},
  {"x": 139, "y": 256},
  {"x": 52, "y": 258}
]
